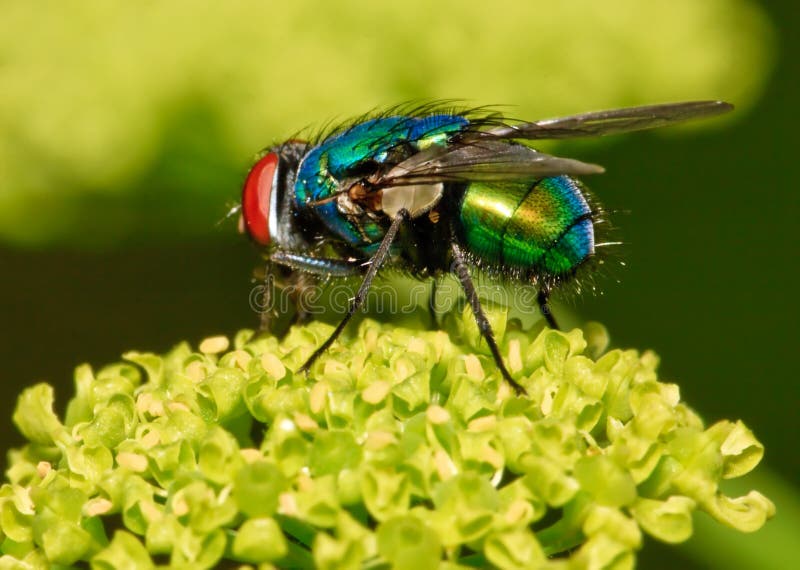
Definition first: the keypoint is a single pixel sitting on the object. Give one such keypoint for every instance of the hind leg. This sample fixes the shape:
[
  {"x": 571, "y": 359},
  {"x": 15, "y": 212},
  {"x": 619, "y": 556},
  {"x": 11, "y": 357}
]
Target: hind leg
[{"x": 541, "y": 299}]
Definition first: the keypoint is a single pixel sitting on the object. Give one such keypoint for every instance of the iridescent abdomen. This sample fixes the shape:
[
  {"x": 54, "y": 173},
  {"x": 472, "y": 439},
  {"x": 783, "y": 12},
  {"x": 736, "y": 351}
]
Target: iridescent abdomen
[{"x": 543, "y": 226}]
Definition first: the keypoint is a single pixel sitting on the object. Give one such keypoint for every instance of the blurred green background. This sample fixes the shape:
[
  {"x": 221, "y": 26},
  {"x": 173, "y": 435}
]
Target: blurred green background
[{"x": 126, "y": 130}]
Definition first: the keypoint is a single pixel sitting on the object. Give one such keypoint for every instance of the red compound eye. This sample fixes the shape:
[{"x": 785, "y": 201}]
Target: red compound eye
[{"x": 256, "y": 198}]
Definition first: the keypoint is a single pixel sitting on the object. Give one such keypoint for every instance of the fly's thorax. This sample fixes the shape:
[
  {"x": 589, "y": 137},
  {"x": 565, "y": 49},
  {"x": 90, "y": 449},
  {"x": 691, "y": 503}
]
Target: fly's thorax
[
  {"x": 331, "y": 174},
  {"x": 541, "y": 228}
]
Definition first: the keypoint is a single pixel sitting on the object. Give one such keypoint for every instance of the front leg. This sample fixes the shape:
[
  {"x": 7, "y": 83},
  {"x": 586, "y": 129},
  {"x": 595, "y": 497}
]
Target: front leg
[
  {"x": 321, "y": 266},
  {"x": 374, "y": 265},
  {"x": 294, "y": 275},
  {"x": 308, "y": 270}
]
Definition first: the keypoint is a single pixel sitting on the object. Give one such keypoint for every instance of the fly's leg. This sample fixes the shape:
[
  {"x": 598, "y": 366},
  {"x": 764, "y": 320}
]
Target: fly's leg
[
  {"x": 322, "y": 266},
  {"x": 375, "y": 264},
  {"x": 462, "y": 272},
  {"x": 541, "y": 299},
  {"x": 288, "y": 280},
  {"x": 276, "y": 295},
  {"x": 300, "y": 284},
  {"x": 432, "y": 304},
  {"x": 266, "y": 311},
  {"x": 306, "y": 272}
]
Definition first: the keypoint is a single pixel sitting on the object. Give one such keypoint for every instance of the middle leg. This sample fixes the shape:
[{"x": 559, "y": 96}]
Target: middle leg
[{"x": 462, "y": 271}]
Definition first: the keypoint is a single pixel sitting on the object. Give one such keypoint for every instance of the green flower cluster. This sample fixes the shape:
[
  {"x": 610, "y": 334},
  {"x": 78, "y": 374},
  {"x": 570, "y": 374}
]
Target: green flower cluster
[{"x": 402, "y": 448}]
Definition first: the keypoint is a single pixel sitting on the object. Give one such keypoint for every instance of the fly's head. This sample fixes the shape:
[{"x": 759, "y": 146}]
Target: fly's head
[{"x": 268, "y": 197}]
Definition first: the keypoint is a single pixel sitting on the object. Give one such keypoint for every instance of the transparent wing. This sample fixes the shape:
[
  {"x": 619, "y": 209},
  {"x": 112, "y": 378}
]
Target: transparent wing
[
  {"x": 486, "y": 160},
  {"x": 599, "y": 123}
]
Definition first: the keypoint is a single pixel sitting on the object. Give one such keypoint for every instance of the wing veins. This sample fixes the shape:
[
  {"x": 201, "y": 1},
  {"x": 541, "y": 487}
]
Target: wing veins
[{"x": 613, "y": 121}]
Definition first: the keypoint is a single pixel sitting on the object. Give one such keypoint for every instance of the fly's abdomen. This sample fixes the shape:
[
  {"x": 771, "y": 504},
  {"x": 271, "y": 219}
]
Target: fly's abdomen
[{"x": 543, "y": 226}]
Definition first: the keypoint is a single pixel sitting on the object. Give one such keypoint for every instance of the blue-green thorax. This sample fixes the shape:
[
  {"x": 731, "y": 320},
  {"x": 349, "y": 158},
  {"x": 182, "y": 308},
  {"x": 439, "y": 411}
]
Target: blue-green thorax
[{"x": 352, "y": 154}]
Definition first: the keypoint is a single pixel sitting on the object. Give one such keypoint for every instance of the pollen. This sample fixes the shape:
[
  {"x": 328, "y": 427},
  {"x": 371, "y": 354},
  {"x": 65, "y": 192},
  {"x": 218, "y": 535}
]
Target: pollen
[
  {"x": 376, "y": 392},
  {"x": 133, "y": 461},
  {"x": 437, "y": 415},
  {"x": 96, "y": 507},
  {"x": 214, "y": 345}
]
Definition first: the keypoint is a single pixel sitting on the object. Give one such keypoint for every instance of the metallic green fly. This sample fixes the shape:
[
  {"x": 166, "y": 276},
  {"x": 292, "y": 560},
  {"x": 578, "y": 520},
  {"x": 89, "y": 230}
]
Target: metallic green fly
[{"x": 432, "y": 190}]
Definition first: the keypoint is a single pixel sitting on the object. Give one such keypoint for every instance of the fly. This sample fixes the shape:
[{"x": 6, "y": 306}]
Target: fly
[{"x": 432, "y": 191}]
